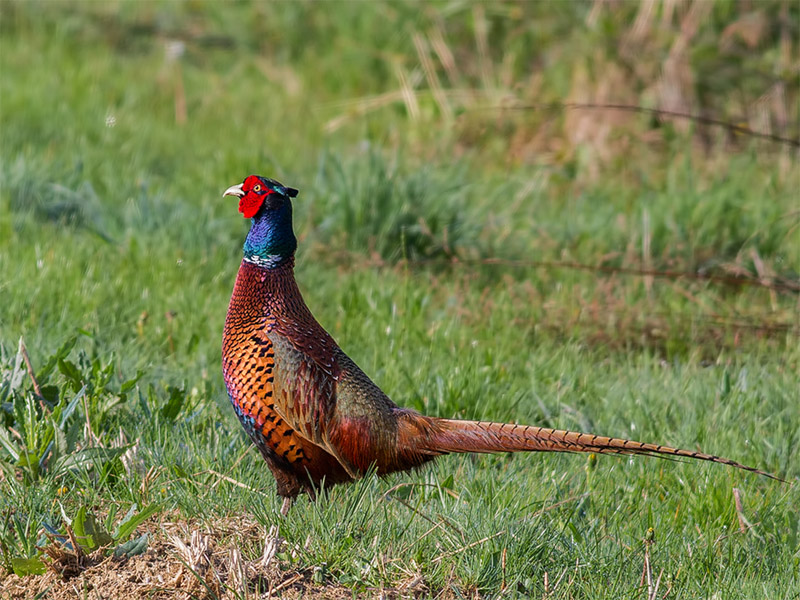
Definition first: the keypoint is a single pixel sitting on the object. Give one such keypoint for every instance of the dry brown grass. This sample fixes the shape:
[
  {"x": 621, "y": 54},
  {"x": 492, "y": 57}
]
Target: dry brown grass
[{"x": 183, "y": 561}]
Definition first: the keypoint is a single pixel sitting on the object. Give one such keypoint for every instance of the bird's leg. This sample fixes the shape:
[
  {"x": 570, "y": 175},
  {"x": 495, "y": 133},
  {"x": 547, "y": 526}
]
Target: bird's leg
[{"x": 287, "y": 504}]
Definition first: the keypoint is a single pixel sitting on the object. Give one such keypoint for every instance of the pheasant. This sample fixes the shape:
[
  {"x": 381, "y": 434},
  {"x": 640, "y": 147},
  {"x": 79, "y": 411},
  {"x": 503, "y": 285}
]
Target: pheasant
[{"x": 316, "y": 418}]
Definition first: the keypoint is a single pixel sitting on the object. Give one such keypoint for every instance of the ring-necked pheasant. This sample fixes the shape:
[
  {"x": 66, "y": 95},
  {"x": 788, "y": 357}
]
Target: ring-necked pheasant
[{"x": 314, "y": 415}]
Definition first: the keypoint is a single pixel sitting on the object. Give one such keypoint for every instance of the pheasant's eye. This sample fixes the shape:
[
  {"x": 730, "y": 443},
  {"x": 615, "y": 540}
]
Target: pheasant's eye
[{"x": 257, "y": 187}]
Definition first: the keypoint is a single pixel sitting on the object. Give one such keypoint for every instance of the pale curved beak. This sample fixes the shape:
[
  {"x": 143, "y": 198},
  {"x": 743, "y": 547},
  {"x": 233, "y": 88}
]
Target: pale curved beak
[{"x": 234, "y": 190}]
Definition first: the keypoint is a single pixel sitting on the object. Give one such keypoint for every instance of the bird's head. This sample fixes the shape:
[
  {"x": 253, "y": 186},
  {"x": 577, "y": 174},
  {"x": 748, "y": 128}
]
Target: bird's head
[
  {"x": 256, "y": 192},
  {"x": 271, "y": 241}
]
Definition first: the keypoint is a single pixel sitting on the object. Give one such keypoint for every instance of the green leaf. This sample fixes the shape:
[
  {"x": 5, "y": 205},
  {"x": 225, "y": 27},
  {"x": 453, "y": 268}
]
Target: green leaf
[
  {"x": 87, "y": 457},
  {"x": 70, "y": 371},
  {"x": 28, "y": 566},
  {"x": 128, "y": 516},
  {"x": 112, "y": 513},
  {"x": 27, "y": 459},
  {"x": 131, "y": 521},
  {"x": 89, "y": 534},
  {"x": 96, "y": 533},
  {"x": 71, "y": 406},
  {"x": 78, "y": 522},
  {"x": 127, "y": 386},
  {"x": 60, "y": 440},
  {"x": 725, "y": 384},
  {"x": 132, "y": 548},
  {"x": 62, "y": 352},
  {"x": 170, "y": 410},
  {"x": 8, "y": 470},
  {"x": 50, "y": 393},
  {"x": 8, "y": 445},
  {"x": 193, "y": 342},
  {"x": 18, "y": 374}
]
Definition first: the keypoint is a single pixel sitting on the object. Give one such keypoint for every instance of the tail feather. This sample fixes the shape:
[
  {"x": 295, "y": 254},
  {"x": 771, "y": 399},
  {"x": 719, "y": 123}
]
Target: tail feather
[{"x": 446, "y": 435}]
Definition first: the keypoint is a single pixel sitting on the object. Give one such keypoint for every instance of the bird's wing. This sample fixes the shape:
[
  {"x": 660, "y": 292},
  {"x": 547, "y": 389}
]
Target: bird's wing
[
  {"x": 323, "y": 395},
  {"x": 305, "y": 375}
]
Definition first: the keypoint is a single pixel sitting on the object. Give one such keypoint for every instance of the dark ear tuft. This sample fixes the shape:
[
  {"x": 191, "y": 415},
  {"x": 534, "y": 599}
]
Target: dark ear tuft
[{"x": 291, "y": 192}]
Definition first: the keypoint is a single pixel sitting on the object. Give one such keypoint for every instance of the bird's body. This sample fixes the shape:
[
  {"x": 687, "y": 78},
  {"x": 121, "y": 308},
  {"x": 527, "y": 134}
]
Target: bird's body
[{"x": 316, "y": 418}]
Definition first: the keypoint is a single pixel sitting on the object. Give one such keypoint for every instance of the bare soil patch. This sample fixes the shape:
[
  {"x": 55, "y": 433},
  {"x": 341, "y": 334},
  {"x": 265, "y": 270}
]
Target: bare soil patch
[{"x": 182, "y": 562}]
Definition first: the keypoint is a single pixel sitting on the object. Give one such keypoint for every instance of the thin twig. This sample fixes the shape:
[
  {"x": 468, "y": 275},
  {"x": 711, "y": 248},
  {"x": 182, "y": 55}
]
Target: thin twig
[
  {"x": 415, "y": 511},
  {"x": 793, "y": 286},
  {"x": 788, "y": 285},
  {"x": 560, "y": 577},
  {"x": 37, "y": 390},
  {"x": 76, "y": 547},
  {"x": 27, "y": 360},
  {"x": 557, "y": 504},
  {"x": 658, "y": 583},
  {"x": 235, "y": 463},
  {"x": 795, "y": 142},
  {"x": 467, "y": 547},
  {"x": 286, "y": 583},
  {"x": 433, "y": 79},
  {"x": 230, "y": 480},
  {"x": 744, "y": 524},
  {"x": 503, "y": 558},
  {"x": 89, "y": 434},
  {"x": 394, "y": 488},
  {"x": 409, "y": 545}
]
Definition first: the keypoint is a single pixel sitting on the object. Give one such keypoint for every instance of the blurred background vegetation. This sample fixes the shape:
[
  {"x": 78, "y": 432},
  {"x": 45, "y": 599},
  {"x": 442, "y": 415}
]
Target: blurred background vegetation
[
  {"x": 471, "y": 192},
  {"x": 437, "y": 131}
]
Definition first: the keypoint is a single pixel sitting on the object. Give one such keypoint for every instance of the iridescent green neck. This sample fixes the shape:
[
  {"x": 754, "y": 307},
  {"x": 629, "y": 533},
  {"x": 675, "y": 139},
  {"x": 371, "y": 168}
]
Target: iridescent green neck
[{"x": 271, "y": 241}]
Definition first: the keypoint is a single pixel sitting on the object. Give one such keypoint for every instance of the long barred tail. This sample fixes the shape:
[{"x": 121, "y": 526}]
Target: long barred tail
[{"x": 448, "y": 435}]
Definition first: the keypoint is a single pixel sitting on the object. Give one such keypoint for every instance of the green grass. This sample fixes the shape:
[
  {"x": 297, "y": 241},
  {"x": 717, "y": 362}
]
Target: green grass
[{"x": 113, "y": 232}]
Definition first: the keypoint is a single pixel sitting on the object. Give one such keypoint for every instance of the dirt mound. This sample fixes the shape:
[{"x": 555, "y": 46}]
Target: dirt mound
[{"x": 176, "y": 565}]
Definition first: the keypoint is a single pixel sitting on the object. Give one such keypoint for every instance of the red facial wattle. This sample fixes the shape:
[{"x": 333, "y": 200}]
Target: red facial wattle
[{"x": 251, "y": 202}]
